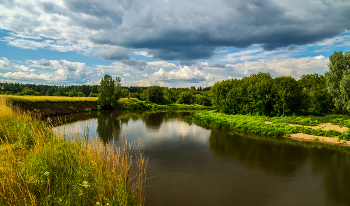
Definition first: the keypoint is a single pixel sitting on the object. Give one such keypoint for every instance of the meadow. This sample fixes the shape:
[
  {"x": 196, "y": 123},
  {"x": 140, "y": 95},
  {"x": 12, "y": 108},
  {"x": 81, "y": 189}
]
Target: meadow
[
  {"x": 49, "y": 98},
  {"x": 39, "y": 168},
  {"x": 274, "y": 126}
]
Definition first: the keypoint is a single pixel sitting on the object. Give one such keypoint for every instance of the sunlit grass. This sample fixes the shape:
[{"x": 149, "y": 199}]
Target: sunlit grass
[
  {"x": 39, "y": 168},
  {"x": 5, "y": 111},
  {"x": 134, "y": 104},
  {"x": 278, "y": 126},
  {"x": 49, "y": 98}
]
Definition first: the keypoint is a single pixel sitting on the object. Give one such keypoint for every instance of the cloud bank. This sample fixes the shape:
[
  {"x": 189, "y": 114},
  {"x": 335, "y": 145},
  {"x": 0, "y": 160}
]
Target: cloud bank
[{"x": 170, "y": 30}]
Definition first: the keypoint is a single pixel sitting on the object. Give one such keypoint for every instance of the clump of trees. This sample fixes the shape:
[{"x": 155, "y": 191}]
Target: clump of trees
[
  {"x": 338, "y": 80},
  {"x": 260, "y": 94},
  {"x": 109, "y": 91}
]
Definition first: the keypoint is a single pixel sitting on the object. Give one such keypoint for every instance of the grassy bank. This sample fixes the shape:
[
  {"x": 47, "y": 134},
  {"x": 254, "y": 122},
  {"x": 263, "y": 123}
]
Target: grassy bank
[
  {"x": 39, "y": 168},
  {"x": 134, "y": 104},
  {"x": 274, "y": 126}
]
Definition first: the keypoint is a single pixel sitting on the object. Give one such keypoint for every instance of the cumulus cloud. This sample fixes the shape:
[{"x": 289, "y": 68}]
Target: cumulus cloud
[
  {"x": 6, "y": 64},
  {"x": 60, "y": 71},
  {"x": 171, "y": 30},
  {"x": 183, "y": 74},
  {"x": 294, "y": 67}
]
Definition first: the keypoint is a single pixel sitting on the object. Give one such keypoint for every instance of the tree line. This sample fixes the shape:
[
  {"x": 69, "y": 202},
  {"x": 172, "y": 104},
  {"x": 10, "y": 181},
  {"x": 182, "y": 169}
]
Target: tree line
[
  {"x": 260, "y": 94},
  {"x": 155, "y": 94},
  {"x": 257, "y": 94}
]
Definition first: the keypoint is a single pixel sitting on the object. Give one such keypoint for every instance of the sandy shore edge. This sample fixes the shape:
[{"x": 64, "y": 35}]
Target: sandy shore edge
[{"x": 320, "y": 139}]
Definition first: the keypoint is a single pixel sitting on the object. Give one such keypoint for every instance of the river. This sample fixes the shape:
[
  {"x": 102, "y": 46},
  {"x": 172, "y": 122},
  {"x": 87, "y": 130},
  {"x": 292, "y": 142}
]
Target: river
[{"x": 192, "y": 165}]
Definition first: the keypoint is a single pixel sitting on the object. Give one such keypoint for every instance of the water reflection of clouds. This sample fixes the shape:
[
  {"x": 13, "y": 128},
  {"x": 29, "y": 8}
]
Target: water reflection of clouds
[
  {"x": 150, "y": 131},
  {"x": 80, "y": 127}
]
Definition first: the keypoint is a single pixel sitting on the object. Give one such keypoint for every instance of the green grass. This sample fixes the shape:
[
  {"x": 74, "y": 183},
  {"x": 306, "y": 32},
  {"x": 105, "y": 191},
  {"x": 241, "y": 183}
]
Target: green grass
[
  {"x": 280, "y": 126},
  {"x": 134, "y": 104},
  {"x": 39, "y": 168}
]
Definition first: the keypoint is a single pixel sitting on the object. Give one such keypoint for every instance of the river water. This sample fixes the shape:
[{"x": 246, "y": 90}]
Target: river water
[{"x": 192, "y": 165}]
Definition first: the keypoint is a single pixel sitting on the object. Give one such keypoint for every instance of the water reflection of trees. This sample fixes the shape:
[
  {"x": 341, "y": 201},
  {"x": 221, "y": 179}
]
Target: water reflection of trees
[
  {"x": 280, "y": 159},
  {"x": 108, "y": 126},
  {"x": 284, "y": 157},
  {"x": 336, "y": 168},
  {"x": 109, "y": 123}
]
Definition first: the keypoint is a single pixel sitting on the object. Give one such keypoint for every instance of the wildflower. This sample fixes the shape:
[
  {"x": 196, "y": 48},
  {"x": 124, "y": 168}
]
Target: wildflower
[
  {"x": 85, "y": 184},
  {"x": 97, "y": 203},
  {"x": 46, "y": 173}
]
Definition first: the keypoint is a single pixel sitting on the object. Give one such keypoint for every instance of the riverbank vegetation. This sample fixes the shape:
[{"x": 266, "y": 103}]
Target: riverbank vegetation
[
  {"x": 39, "y": 168},
  {"x": 274, "y": 126},
  {"x": 134, "y": 103}
]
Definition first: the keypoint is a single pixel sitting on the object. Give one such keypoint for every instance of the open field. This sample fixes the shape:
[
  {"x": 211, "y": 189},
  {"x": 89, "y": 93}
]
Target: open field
[
  {"x": 39, "y": 168},
  {"x": 49, "y": 98}
]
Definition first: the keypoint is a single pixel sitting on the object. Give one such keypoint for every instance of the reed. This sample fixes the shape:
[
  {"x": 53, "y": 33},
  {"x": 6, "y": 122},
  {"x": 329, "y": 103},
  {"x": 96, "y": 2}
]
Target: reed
[{"x": 40, "y": 168}]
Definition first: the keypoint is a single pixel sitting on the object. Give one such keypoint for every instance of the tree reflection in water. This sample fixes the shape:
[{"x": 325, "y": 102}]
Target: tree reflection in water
[
  {"x": 108, "y": 126},
  {"x": 284, "y": 157}
]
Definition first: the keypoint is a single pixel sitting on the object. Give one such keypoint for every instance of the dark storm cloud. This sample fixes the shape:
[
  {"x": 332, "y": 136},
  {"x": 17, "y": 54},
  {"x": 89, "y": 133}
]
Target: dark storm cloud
[
  {"x": 179, "y": 35},
  {"x": 187, "y": 30}
]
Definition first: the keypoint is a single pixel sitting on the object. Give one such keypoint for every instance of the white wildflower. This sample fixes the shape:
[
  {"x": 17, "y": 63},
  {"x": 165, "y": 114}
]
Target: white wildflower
[
  {"x": 46, "y": 173},
  {"x": 85, "y": 184}
]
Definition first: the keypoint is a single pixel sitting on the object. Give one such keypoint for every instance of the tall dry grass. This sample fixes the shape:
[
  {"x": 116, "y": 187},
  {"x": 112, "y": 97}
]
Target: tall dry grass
[{"x": 38, "y": 168}]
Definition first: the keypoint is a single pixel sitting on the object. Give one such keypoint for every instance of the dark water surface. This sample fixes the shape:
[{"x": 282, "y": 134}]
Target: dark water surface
[{"x": 191, "y": 165}]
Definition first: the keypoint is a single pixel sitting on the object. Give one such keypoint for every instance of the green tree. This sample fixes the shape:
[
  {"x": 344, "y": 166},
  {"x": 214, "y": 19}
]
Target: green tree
[
  {"x": 316, "y": 98},
  {"x": 154, "y": 94},
  {"x": 286, "y": 95},
  {"x": 125, "y": 93},
  {"x": 109, "y": 91},
  {"x": 185, "y": 97},
  {"x": 338, "y": 78}
]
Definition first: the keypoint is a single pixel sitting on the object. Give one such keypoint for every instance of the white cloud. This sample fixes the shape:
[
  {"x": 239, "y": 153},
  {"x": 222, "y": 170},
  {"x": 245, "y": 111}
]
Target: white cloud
[
  {"x": 143, "y": 53},
  {"x": 294, "y": 67},
  {"x": 126, "y": 75},
  {"x": 319, "y": 57},
  {"x": 6, "y": 64},
  {"x": 62, "y": 70}
]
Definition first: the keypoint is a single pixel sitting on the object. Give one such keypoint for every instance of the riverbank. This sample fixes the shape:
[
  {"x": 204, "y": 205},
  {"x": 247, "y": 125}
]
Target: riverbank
[
  {"x": 53, "y": 106},
  {"x": 330, "y": 129},
  {"x": 39, "y": 168}
]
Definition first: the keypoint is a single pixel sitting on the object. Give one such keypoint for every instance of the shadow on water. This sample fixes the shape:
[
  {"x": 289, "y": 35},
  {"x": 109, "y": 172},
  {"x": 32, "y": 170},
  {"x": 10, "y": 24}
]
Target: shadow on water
[{"x": 281, "y": 159}]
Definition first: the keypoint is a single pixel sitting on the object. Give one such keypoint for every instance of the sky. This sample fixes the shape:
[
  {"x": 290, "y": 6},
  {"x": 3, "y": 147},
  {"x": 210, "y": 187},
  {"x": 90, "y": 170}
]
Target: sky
[{"x": 173, "y": 43}]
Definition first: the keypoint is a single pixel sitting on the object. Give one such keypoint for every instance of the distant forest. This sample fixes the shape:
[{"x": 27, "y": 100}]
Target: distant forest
[{"x": 190, "y": 95}]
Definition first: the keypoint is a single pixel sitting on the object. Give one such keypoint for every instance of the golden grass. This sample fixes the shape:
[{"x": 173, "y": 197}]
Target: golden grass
[
  {"x": 49, "y": 98},
  {"x": 5, "y": 111},
  {"x": 39, "y": 168}
]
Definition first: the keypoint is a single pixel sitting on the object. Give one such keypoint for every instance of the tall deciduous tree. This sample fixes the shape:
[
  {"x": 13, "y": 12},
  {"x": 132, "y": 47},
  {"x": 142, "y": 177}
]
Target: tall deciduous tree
[
  {"x": 109, "y": 91},
  {"x": 338, "y": 80}
]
